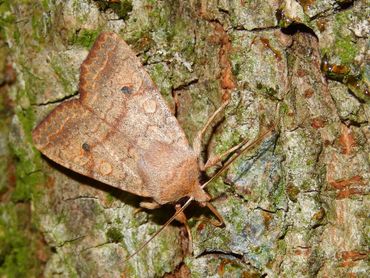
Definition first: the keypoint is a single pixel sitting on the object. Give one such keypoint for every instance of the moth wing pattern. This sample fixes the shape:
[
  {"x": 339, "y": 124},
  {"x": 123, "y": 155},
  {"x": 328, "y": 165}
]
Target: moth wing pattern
[{"x": 119, "y": 116}]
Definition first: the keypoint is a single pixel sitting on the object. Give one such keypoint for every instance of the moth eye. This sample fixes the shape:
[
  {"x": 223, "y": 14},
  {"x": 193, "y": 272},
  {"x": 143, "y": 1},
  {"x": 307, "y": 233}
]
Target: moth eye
[
  {"x": 86, "y": 147},
  {"x": 127, "y": 90}
]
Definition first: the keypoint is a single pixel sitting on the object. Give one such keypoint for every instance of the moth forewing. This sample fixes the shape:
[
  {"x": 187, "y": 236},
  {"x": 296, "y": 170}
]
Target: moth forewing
[{"x": 120, "y": 130}]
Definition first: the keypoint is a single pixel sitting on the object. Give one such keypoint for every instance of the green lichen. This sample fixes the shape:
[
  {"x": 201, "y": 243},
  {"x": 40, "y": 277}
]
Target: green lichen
[
  {"x": 40, "y": 22},
  {"x": 292, "y": 192},
  {"x": 161, "y": 75},
  {"x": 160, "y": 17},
  {"x": 28, "y": 161},
  {"x": 4, "y": 130},
  {"x": 33, "y": 85},
  {"x": 110, "y": 198},
  {"x": 217, "y": 187},
  {"x": 7, "y": 18},
  {"x": 141, "y": 41},
  {"x": 36, "y": 22},
  {"x": 318, "y": 217},
  {"x": 279, "y": 195},
  {"x": 85, "y": 38},
  {"x": 236, "y": 67},
  {"x": 3, "y": 177},
  {"x": 166, "y": 251},
  {"x": 17, "y": 248},
  {"x": 306, "y": 185},
  {"x": 98, "y": 226},
  {"x": 284, "y": 108},
  {"x": 236, "y": 214},
  {"x": 262, "y": 255},
  {"x": 164, "y": 247},
  {"x": 344, "y": 47},
  {"x": 176, "y": 35},
  {"x": 45, "y": 4},
  {"x": 18, "y": 238},
  {"x": 114, "y": 235},
  {"x": 118, "y": 221},
  {"x": 227, "y": 140},
  {"x": 267, "y": 90},
  {"x": 121, "y": 8},
  {"x": 124, "y": 9}
]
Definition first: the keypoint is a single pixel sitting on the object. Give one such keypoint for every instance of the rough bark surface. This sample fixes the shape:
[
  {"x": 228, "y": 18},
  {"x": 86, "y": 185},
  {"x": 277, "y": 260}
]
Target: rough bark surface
[{"x": 296, "y": 205}]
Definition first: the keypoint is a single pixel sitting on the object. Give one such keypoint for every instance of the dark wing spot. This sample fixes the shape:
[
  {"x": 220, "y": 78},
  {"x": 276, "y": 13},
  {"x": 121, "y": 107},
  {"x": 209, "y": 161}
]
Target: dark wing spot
[
  {"x": 86, "y": 147},
  {"x": 127, "y": 90}
]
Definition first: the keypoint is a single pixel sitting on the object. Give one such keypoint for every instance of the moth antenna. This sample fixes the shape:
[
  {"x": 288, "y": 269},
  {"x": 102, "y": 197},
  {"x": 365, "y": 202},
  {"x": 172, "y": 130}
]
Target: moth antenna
[
  {"x": 169, "y": 221},
  {"x": 223, "y": 168}
]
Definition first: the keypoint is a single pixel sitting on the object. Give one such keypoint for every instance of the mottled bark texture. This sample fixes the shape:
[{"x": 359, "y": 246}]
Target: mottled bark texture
[{"x": 294, "y": 206}]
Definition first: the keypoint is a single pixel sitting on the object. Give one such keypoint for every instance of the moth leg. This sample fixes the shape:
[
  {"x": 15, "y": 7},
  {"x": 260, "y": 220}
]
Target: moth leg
[
  {"x": 212, "y": 161},
  {"x": 220, "y": 220},
  {"x": 197, "y": 144},
  {"x": 238, "y": 149},
  {"x": 181, "y": 217},
  {"x": 149, "y": 205},
  {"x": 146, "y": 205}
]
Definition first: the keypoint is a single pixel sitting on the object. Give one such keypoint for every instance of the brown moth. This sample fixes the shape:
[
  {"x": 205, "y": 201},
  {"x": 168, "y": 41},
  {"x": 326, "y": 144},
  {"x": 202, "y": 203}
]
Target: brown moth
[{"x": 121, "y": 132}]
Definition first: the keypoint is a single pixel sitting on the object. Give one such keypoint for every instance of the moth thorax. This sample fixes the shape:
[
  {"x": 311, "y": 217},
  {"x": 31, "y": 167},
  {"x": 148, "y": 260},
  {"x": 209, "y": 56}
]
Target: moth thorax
[
  {"x": 170, "y": 172},
  {"x": 182, "y": 180}
]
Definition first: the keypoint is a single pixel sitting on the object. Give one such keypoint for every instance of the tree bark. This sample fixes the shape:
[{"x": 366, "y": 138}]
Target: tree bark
[{"x": 295, "y": 205}]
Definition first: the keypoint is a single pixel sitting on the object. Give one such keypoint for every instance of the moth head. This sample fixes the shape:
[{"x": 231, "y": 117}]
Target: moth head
[{"x": 186, "y": 181}]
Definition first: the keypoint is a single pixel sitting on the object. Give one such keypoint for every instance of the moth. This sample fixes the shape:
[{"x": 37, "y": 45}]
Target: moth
[{"x": 121, "y": 132}]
